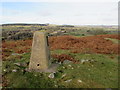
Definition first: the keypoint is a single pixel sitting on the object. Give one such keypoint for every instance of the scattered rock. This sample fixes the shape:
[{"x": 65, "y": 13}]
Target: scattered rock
[
  {"x": 69, "y": 65},
  {"x": 51, "y": 75},
  {"x": 59, "y": 62},
  {"x": 4, "y": 70},
  {"x": 72, "y": 68},
  {"x": 35, "y": 75},
  {"x": 21, "y": 64},
  {"x": 63, "y": 75},
  {"x": 18, "y": 64},
  {"x": 14, "y": 70},
  {"x": 14, "y": 54},
  {"x": 68, "y": 80},
  {"x": 63, "y": 67},
  {"x": 87, "y": 60},
  {"x": 56, "y": 85},
  {"x": 82, "y": 61},
  {"x": 66, "y": 61},
  {"x": 80, "y": 81}
]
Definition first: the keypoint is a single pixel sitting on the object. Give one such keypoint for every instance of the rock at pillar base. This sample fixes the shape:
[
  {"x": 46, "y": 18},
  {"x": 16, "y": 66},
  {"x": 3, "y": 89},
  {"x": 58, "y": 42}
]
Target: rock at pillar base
[{"x": 51, "y": 68}]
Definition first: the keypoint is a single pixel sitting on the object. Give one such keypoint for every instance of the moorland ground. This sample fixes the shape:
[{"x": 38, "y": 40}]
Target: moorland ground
[{"x": 87, "y": 56}]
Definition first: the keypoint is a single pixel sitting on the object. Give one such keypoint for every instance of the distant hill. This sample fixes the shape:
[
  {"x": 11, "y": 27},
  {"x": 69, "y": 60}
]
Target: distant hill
[
  {"x": 65, "y": 26},
  {"x": 24, "y": 24}
]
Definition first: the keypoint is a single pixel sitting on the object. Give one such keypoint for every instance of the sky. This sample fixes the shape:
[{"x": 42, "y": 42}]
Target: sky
[{"x": 72, "y": 12}]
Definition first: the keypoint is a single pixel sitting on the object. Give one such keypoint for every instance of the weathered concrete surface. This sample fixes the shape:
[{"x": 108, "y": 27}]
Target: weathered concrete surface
[{"x": 40, "y": 56}]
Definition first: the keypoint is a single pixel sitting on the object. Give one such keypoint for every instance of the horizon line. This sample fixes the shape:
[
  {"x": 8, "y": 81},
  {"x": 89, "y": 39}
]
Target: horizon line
[{"x": 63, "y": 24}]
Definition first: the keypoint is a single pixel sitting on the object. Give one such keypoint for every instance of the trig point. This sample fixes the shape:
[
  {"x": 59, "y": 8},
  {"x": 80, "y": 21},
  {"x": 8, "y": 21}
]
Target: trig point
[{"x": 40, "y": 56}]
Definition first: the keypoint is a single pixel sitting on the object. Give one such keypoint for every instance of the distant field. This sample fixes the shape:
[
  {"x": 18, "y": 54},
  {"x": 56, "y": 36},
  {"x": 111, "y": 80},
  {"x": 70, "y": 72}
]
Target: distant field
[
  {"x": 17, "y": 32},
  {"x": 87, "y": 57}
]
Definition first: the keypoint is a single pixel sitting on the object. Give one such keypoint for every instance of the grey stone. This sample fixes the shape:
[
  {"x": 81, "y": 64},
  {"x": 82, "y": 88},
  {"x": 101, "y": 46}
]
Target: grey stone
[
  {"x": 51, "y": 75},
  {"x": 68, "y": 80},
  {"x": 82, "y": 61},
  {"x": 87, "y": 60},
  {"x": 14, "y": 54},
  {"x": 67, "y": 62},
  {"x": 60, "y": 63},
  {"x": 21, "y": 64},
  {"x": 4, "y": 70},
  {"x": 64, "y": 75},
  {"x": 18, "y": 64},
  {"x": 79, "y": 81},
  {"x": 14, "y": 70},
  {"x": 56, "y": 85},
  {"x": 70, "y": 65}
]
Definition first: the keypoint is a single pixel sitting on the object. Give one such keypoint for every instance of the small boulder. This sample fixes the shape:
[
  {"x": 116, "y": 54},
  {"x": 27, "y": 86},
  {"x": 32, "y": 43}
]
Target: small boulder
[
  {"x": 18, "y": 64},
  {"x": 60, "y": 63},
  {"x": 21, "y": 64},
  {"x": 51, "y": 75},
  {"x": 66, "y": 61},
  {"x": 82, "y": 61},
  {"x": 68, "y": 80},
  {"x": 69, "y": 65},
  {"x": 4, "y": 70},
  {"x": 79, "y": 81},
  {"x": 72, "y": 68},
  {"x": 14, "y": 70},
  {"x": 56, "y": 85},
  {"x": 14, "y": 54},
  {"x": 63, "y": 75}
]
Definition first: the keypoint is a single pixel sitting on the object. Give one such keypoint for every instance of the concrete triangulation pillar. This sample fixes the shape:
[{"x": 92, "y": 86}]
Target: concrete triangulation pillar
[{"x": 40, "y": 56}]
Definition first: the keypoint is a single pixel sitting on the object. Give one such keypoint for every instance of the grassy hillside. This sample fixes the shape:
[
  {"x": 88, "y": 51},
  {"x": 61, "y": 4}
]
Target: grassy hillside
[
  {"x": 92, "y": 71},
  {"x": 86, "y": 58}
]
